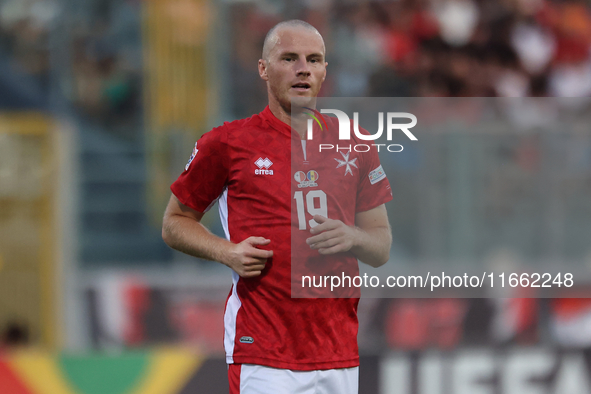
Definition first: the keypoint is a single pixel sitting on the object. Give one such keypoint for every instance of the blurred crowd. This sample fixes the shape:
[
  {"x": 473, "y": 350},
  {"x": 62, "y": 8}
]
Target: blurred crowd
[
  {"x": 402, "y": 48},
  {"x": 424, "y": 48},
  {"x": 24, "y": 35},
  {"x": 107, "y": 61},
  {"x": 98, "y": 45}
]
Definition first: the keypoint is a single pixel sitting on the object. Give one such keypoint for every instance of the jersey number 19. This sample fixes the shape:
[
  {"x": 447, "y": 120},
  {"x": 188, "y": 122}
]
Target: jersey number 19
[{"x": 315, "y": 204}]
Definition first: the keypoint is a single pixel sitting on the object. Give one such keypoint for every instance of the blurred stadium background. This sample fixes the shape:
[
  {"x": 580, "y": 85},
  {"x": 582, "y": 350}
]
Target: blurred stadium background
[{"x": 101, "y": 102}]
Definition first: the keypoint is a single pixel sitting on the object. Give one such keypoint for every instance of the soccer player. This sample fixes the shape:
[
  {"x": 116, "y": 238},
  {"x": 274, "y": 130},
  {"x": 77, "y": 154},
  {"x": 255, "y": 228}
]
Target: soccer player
[{"x": 333, "y": 211}]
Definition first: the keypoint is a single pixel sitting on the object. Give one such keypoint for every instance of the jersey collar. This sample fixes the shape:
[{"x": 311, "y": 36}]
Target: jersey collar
[{"x": 275, "y": 123}]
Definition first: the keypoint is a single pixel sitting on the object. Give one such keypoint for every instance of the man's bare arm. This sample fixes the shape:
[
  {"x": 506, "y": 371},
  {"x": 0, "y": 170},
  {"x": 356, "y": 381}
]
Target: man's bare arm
[
  {"x": 375, "y": 239},
  {"x": 182, "y": 230},
  {"x": 369, "y": 240}
]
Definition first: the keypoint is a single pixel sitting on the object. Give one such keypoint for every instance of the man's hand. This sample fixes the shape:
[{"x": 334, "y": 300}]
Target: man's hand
[
  {"x": 331, "y": 236},
  {"x": 246, "y": 259},
  {"x": 369, "y": 240},
  {"x": 182, "y": 230}
]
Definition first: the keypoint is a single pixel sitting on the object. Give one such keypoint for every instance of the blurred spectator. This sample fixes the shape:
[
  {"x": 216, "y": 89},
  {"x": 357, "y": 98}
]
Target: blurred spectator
[
  {"x": 457, "y": 19},
  {"x": 534, "y": 45},
  {"x": 359, "y": 43},
  {"x": 106, "y": 64},
  {"x": 24, "y": 33},
  {"x": 106, "y": 86}
]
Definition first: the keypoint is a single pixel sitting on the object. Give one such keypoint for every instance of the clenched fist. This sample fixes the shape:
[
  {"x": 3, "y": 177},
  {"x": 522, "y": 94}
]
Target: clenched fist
[{"x": 246, "y": 259}]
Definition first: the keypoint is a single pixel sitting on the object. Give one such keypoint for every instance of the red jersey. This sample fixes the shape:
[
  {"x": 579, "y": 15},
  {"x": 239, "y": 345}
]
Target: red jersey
[{"x": 247, "y": 165}]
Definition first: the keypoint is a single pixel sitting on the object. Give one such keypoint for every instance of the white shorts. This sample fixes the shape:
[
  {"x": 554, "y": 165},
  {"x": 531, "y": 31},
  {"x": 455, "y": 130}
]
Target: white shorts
[{"x": 258, "y": 379}]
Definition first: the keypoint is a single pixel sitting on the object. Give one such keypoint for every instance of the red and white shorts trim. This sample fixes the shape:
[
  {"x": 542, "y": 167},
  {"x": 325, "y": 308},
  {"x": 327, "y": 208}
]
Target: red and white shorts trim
[{"x": 258, "y": 379}]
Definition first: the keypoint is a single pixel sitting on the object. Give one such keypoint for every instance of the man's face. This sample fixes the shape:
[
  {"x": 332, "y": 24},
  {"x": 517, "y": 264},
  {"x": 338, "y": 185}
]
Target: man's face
[{"x": 295, "y": 68}]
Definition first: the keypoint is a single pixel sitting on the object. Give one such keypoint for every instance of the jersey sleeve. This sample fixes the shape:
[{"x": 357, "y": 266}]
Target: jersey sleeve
[
  {"x": 206, "y": 174},
  {"x": 374, "y": 188}
]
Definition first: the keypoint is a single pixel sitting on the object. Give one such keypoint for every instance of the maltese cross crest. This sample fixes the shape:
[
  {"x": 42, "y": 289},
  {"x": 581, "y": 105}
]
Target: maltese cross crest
[{"x": 347, "y": 162}]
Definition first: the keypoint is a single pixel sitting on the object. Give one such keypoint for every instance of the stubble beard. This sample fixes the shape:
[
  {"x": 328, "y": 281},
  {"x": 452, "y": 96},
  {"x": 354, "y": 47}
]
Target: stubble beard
[{"x": 285, "y": 102}]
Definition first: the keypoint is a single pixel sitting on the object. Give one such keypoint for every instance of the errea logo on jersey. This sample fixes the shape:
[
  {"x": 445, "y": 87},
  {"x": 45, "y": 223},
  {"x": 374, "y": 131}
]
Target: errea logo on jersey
[{"x": 263, "y": 166}]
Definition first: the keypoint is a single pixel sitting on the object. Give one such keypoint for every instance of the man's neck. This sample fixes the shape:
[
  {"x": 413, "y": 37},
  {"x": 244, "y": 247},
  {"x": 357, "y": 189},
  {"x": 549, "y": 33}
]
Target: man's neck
[
  {"x": 297, "y": 123},
  {"x": 279, "y": 112}
]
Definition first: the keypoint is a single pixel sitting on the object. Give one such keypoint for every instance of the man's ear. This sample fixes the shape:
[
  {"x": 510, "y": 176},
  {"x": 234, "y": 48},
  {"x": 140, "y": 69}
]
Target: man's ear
[
  {"x": 324, "y": 76},
  {"x": 263, "y": 69}
]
